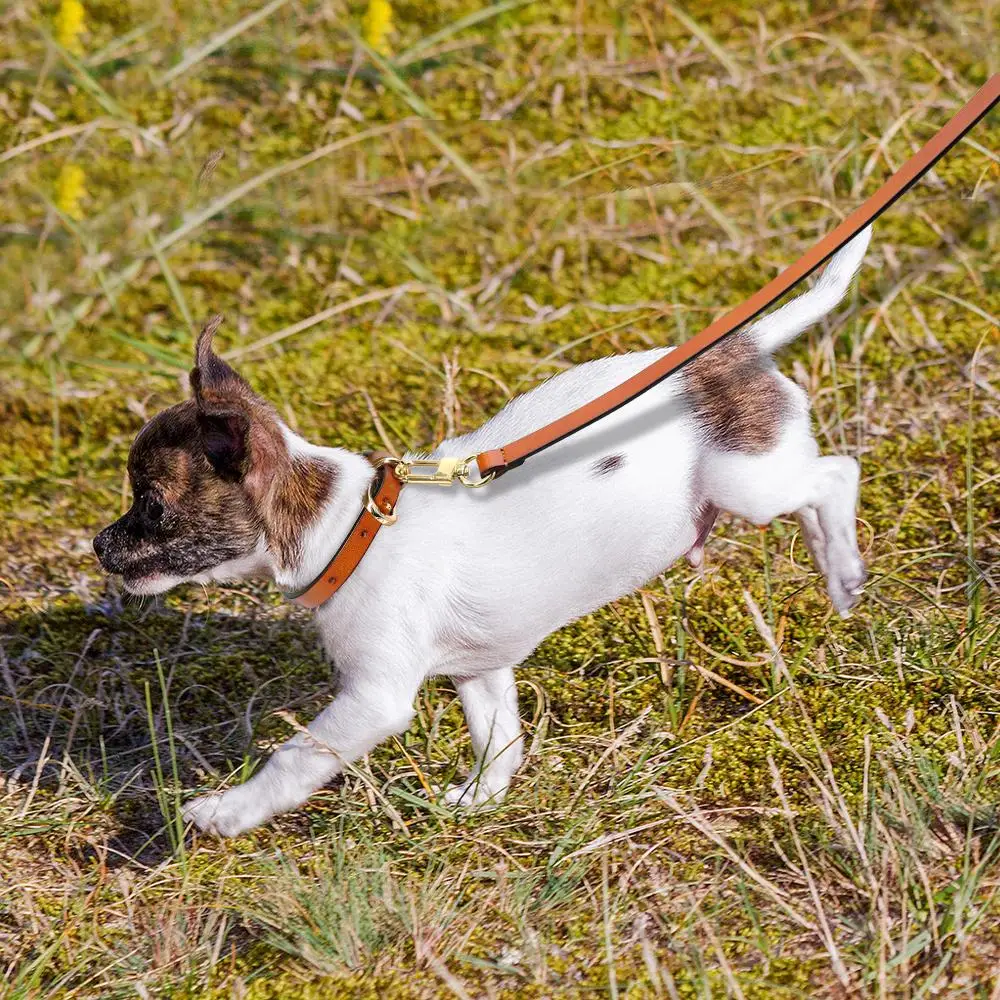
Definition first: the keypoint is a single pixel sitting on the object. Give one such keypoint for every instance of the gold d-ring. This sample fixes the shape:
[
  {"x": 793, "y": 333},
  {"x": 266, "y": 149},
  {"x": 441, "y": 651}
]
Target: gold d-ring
[
  {"x": 473, "y": 484},
  {"x": 372, "y": 507}
]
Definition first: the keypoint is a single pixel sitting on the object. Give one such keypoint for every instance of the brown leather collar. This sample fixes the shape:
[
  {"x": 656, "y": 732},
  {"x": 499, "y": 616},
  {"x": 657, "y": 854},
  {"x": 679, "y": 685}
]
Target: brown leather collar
[
  {"x": 391, "y": 473},
  {"x": 379, "y": 510}
]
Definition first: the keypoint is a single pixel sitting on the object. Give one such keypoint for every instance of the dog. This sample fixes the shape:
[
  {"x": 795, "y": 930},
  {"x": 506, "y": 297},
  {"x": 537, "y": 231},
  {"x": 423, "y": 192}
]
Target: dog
[{"x": 468, "y": 582}]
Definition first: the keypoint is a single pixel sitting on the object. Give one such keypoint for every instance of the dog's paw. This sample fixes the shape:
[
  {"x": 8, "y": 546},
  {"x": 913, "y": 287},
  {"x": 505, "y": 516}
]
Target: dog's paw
[
  {"x": 474, "y": 794},
  {"x": 223, "y": 813},
  {"x": 847, "y": 587}
]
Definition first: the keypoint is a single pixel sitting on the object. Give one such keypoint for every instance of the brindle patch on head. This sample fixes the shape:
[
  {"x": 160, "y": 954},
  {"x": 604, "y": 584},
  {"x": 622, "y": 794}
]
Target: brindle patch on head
[
  {"x": 287, "y": 493},
  {"x": 166, "y": 455},
  {"x": 221, "y": 518},
  {"x": 736, "y": 396},
  {"x": 610, "y": 463},
  {"x": 306, "y": 488},
  {"x": 211, "y": 477},
  {"x": 168, "y": 465},
  {"x": 184, "y": 518},
  {"x": 176, "y": 485}
]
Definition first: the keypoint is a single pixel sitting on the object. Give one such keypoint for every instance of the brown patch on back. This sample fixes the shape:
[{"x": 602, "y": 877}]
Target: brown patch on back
[
  {"x": 610, "y": 463},
  {"x": 736, "y": 397}
]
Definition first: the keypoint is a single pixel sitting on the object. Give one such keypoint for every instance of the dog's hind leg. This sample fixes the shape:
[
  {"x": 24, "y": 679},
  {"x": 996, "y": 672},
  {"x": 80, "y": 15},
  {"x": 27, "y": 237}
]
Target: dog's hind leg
[
  {"x": 490, "y": 704},
  {"x": 822, "y": 491},
  {"x": 835, "y": 499},
  {"x": 812, "y": 533}
]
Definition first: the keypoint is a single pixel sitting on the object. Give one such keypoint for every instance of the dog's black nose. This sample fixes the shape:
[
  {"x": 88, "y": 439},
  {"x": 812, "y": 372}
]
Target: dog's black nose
[{"x": 100, "y": 544}]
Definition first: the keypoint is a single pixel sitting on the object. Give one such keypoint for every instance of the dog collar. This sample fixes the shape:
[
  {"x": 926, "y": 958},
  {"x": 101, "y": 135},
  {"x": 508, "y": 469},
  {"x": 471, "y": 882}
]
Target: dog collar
[
  {"x": 379, "y": 509},
  {"x": 392, "y": 473}
]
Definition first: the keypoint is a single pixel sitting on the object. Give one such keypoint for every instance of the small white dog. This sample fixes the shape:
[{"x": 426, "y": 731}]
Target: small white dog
[{"x": 468, "y": 582}]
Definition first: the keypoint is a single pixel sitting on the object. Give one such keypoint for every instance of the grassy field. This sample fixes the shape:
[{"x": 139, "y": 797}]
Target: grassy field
[{"x": 408, "y": 215}]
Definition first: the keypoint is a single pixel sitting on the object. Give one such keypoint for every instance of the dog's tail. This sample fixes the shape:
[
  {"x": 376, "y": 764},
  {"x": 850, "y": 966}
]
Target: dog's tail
[{"x": 785, "y": 324}]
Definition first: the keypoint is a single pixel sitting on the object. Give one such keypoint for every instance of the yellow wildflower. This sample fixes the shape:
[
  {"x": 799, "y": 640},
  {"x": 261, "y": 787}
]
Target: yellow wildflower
[
  {"x": 376, "y": 25},
  {"x": 71, "y": 188},
  {"x": 71, "y": 22}
]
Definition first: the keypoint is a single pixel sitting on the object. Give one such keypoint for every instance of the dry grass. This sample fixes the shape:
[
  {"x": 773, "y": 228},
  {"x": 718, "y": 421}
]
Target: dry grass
[{"x": 728, "y": 791}]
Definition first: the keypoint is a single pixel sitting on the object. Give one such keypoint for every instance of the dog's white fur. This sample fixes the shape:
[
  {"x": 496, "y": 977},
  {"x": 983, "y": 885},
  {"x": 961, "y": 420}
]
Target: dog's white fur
[{"x": 468, "y": 582}]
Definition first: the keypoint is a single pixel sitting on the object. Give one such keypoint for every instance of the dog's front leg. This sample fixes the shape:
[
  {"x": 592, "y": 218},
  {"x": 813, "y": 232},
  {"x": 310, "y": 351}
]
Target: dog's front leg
[
  {"x": 358, "y": 719},
  {"x": 490, "y": 705}
]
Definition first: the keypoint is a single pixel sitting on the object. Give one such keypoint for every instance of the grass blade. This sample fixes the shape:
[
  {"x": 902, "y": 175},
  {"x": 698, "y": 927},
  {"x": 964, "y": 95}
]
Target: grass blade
[
  {"x": 217, "y": 41},
  {"x": 708, "y": 41},
  {"x": 476, "y": 17}
]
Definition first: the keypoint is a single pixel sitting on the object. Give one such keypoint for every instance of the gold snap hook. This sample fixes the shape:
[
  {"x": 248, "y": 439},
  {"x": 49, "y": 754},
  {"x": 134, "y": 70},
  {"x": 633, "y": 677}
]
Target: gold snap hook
[{"x": 443, "y": 471}]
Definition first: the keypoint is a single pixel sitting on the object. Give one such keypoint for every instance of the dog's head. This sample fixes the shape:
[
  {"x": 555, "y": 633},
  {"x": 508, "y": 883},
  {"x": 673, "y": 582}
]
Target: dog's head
[{"x": 217, "y": 494}]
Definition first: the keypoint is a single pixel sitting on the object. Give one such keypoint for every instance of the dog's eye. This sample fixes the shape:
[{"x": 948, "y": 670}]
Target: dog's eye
[{"x": 154, "y": 509}]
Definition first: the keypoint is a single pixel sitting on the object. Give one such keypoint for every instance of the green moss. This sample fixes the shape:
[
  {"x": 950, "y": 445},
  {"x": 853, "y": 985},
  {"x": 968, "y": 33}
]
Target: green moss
[{"x": 587, "y": 849}]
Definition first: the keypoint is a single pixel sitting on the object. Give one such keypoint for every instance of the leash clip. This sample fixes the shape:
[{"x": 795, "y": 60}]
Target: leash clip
[{"x": 444, "y": 472}]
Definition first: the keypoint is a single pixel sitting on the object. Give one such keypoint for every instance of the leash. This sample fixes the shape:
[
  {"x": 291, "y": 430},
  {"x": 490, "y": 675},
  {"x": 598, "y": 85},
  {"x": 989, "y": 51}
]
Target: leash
[{"x": 391, "y": 474}]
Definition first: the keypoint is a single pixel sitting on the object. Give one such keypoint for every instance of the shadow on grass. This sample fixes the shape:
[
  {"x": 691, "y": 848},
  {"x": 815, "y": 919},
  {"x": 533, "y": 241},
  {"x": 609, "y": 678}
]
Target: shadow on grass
[{"x": 89, "y": 692}]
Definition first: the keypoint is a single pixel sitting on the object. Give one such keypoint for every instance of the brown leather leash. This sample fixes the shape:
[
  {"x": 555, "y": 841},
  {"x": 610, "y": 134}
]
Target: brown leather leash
[{"x": 392, "y": 474}]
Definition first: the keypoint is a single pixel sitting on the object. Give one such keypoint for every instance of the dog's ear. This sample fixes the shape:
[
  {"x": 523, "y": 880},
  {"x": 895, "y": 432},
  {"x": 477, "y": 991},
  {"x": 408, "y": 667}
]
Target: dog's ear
[
  {"x": 211, "y": 374},
  {"x": 225, "y": 404},
  {"x": 224, "y": 438}
]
